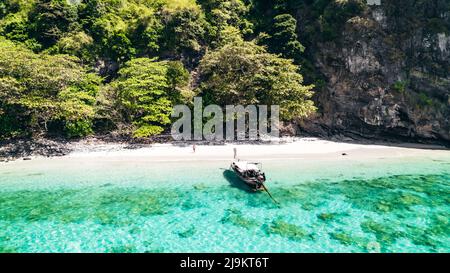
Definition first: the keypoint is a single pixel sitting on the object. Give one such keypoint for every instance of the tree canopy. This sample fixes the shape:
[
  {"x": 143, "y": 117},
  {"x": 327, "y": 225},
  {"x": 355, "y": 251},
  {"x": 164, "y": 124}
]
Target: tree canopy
[
  {"x": 245, "y": 73},
  {"x": 78, "y": 67},
  {"x": 41, "y": 90},
  {"x": 143, "y": 95}
]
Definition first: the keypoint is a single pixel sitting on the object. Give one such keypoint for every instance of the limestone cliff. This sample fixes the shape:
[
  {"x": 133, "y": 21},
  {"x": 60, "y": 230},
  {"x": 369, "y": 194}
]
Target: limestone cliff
[{"x": 388, "y": 74}]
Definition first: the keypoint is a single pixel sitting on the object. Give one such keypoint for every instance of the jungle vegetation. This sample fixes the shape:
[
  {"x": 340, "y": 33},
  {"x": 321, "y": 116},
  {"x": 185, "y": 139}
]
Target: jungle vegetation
[{"x": 72, "y": 68}]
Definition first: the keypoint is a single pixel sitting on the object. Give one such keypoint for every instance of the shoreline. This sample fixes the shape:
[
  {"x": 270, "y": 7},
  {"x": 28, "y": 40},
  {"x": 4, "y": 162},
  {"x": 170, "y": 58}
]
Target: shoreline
[{"x": 284, "y": 148}]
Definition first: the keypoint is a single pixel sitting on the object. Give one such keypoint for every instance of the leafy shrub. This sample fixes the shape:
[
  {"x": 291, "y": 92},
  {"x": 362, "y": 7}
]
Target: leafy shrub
[
  {"x": 400, "y": 86},
  {"x": 425, "y": 100},
  {"x": 283, "y": 39},
  {"x": 245, "y": 73},
  {"x": 145, "y": 92},
  {"x": 39, "y": 89},
  {"x": 184, "y": 33},
  {"x": 147, "y": 131},
  {"x": 50, "y": 19},
  {"x": 336, "y": 14},
  {"x": 79, "y": 128}
]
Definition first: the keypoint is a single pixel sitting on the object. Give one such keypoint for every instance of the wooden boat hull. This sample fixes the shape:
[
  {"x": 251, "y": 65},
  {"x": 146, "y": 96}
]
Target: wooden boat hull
[{"x": 250, "y": 182}]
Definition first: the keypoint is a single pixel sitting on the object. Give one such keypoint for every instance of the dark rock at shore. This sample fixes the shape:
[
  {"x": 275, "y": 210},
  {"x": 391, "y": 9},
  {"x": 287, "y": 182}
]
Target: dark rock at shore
[{"x": 25, "y": 148}]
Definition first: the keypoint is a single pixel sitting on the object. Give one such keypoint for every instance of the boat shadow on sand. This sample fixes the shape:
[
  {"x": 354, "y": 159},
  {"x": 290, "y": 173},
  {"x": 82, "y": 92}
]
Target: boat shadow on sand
[{"x": 235, "y": 181}]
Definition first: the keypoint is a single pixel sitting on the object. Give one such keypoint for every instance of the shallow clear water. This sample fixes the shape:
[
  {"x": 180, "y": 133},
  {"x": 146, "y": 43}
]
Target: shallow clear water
[{"x": 384, "y": 205}]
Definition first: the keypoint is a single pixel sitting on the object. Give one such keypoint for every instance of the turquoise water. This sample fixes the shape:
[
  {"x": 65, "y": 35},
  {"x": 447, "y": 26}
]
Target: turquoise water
[{"x": 384, "y": 205}]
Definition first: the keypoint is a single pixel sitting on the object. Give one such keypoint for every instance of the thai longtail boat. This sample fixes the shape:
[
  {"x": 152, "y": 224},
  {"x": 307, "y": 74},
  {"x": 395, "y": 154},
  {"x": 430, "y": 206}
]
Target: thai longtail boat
[{"x": 250, "y": 173}]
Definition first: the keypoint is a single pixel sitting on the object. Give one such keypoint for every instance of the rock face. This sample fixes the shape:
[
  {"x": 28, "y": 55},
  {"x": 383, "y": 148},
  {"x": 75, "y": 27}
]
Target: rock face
[
  {"x": 387, "y": 76},
  {"x": 13, "y": 149}
]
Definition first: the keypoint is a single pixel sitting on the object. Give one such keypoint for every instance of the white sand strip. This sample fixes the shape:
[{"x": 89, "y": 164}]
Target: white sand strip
[{"x": 290, "y": 149}]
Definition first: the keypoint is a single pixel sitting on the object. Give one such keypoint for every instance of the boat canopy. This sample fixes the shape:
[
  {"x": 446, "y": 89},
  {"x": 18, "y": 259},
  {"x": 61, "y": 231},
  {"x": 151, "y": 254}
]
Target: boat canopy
[{"x": 244, "y": 165}]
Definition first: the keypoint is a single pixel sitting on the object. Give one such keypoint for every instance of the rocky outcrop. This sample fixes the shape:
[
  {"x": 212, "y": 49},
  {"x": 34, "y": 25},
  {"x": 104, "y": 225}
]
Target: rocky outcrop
[
  {"x": 385, "y": 78},
  {"x": 24, "y": 148}
]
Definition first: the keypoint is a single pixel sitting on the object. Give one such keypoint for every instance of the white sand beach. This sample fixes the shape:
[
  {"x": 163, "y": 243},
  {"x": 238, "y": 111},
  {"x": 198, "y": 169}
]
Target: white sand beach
[
  {"x": 92, "y": 150},
  {"x": 286, "y": 148}
]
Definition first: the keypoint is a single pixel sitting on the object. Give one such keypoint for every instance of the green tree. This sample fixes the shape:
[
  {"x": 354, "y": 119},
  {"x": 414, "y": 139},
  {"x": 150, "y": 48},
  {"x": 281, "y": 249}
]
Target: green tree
[
  {"x": 283, "y": 39},
  {"x": 14, "y": 24},
  {"x": 77, "y": 44},
  {"x": 10, "y": 6},
  {"x": 50, "y": 19},
  {"x": 146, "y": 35},
  {"x": 15, "y": 27},
  {"x": 122, "y": 29},
  {"x": 245, "y": 73},
  {"x": 90, "y": 11},
  {"x": 43, "y": 92},
  {"x": 226, "y": 14},
  {"x": 120, "y": 47},
  {"x": 336, "y": 14},
  {"x": 184, "y": 33},
  {"x": 143, "y": 95}
]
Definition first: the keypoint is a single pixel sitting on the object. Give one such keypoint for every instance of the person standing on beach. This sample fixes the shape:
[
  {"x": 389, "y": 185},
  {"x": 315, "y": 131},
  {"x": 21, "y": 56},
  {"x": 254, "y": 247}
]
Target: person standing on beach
[
  {"x": 193, "y": 148},
  {"x": 235, "y": 152}
]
